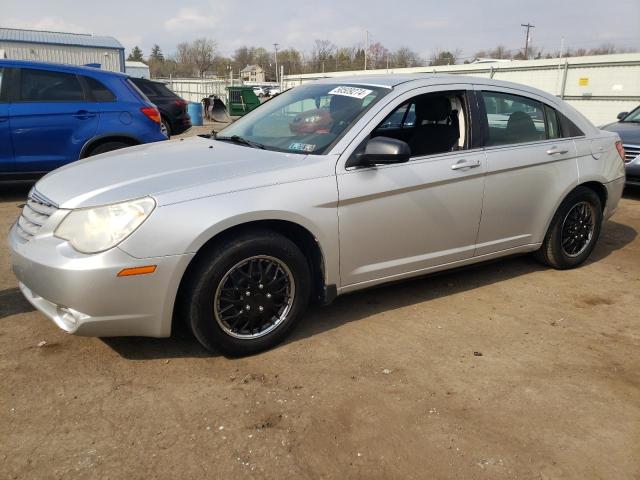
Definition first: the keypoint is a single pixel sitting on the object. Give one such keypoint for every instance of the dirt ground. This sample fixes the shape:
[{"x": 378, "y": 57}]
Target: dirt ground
[{"x": 505, "y": 370}]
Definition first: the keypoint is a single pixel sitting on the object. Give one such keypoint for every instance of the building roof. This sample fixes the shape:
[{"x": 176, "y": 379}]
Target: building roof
[
  {"x": 251, "y": 68},
  {"x": 57, "y": 38},
  {"x": 131, "y": 63}
]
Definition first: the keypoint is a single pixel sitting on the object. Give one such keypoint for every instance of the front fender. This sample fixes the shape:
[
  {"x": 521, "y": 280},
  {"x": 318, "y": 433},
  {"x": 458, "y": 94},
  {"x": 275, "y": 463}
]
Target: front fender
[{"x": 186, "y": 226}]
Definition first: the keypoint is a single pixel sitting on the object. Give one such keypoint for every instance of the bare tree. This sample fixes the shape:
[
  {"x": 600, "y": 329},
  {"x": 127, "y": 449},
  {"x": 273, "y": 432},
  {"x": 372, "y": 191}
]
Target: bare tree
[{"x": 202, "y": 52}]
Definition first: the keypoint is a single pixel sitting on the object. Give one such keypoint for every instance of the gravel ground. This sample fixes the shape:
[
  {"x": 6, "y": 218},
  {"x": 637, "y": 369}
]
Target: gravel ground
[{"x": 501, "y": 371}]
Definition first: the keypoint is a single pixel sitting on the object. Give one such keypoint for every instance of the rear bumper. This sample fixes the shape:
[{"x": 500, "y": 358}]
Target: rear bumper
[
  {"x": 614, "y": 193},
  {"x": 181, "y": 124},
  {"x": 83, "y": 295}
]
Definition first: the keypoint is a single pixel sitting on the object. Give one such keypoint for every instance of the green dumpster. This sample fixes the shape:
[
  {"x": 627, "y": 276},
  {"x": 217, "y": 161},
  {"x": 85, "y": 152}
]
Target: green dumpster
[{"x": 241, "y": 100}]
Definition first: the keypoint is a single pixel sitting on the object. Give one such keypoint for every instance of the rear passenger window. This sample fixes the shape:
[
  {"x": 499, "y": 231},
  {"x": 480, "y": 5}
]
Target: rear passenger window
[
  {"x": 47, "y": 86},
  {"x": 513, "y": 119},
  {"x": 99, "y": 91},
  {"x": 568, "y": 128}
]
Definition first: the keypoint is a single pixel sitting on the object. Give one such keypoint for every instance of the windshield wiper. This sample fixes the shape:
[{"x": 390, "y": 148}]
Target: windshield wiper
[{"x": 240, "y": 140}]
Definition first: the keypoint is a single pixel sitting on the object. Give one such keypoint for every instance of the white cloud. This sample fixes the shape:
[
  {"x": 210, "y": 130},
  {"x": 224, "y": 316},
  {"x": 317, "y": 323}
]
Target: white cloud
[{"x": 189, "y": 19}]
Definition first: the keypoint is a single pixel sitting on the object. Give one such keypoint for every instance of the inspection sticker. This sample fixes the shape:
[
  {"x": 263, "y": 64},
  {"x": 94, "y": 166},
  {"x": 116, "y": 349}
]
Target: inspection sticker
[
  {"x": 354, "y": 92},
  {"x": 302, "y": 147}
]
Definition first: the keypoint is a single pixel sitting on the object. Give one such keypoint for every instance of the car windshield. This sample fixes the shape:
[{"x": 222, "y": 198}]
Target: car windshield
[
  {"x": 305, "y": 119},
  {"x": 634, "y": 116}
]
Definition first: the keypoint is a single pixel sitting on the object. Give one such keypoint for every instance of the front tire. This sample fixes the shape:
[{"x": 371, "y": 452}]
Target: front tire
[
  {"x": 246, "y": 294},
  {"x": 574, "y": 230}
]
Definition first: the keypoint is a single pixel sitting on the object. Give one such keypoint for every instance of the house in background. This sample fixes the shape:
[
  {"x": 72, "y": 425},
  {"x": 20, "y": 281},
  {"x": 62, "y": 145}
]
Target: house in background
[
  {"x": 61, "y": 47},
  {"x": 252, "y": 73}
]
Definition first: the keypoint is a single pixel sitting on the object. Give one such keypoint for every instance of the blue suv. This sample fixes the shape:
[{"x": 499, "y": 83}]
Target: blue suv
[{"x": 51, "y": 115}]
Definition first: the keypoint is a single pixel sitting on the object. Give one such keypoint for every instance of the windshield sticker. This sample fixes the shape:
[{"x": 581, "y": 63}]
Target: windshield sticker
[
  {"x": 302, "y": 147},
  {"x": 354, "y": 92}
]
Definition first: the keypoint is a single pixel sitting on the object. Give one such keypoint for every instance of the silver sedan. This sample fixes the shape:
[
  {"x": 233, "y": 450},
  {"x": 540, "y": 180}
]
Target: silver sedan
[{"x": 331, "y": 187}]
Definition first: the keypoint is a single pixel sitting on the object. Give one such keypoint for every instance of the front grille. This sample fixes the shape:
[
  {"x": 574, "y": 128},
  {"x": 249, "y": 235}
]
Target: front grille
[
  {"x": 35, "y": 213},
  {"x": 631, "y": 152}
]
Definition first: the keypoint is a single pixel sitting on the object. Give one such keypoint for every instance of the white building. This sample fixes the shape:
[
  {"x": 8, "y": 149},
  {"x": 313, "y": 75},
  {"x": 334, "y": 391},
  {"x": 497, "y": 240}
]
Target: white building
[
  {"x": 137, "y": 69},
  {"x": 60, "y": 47},
  {"x": 599, "y": 86}
]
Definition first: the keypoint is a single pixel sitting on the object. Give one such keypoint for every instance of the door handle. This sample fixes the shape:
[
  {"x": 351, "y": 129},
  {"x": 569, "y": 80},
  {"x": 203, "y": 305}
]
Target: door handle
[
  {"x": 462, "y": 164},
  {"x": 556, "y": 151},
  {"x": 84, "y": 114}
]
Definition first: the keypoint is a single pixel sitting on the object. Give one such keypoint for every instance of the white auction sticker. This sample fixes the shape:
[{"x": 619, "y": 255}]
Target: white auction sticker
[
  {"x": 354, "y": 92},
  {"x": 302, "y": 147}
]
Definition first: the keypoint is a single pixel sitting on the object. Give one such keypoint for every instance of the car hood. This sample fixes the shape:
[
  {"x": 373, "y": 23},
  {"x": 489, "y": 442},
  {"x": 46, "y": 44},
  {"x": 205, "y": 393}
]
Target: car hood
[
  {"x": 629, "y": 132},
  {"x": 175, "y": 171}
]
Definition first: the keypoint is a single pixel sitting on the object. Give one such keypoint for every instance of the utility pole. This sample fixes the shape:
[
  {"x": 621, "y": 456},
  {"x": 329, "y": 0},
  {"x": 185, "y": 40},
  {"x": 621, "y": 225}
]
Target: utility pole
[
  {"x": 526, "y": 40},
  {"x": 275, "y": 46},
  {"x": 366, "y": 47}
]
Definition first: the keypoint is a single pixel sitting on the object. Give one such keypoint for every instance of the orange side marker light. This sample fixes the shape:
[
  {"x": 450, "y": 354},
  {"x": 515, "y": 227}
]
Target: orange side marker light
[{"x": 127, "y": 272}]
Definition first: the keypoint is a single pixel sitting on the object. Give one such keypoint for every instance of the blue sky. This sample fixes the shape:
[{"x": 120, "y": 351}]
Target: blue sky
[{"x": 423, "y": 25}]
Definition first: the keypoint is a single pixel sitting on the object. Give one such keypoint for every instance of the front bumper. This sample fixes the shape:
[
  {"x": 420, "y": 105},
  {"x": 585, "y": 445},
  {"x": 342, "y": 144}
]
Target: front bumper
[
  {"x": 633, "y": 172},
  {"x": 83, "y": 295}
]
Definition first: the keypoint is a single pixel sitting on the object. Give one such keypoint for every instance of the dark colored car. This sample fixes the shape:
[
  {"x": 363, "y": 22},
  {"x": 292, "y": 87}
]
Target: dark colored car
[
  {"x": 51, "y": 115},
  {"x": 173, "y": 109},
  {"x": 628, "y": 127}
]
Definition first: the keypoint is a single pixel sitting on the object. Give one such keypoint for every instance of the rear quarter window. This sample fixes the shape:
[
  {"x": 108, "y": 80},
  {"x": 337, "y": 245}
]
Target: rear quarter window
[{"x": 99, "y": 91}]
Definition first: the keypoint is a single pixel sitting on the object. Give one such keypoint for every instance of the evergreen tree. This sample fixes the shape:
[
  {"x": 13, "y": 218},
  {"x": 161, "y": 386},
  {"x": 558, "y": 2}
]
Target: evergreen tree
[
  {"x": 136, "y": 55},
  {"x": 156, "y": 54}
]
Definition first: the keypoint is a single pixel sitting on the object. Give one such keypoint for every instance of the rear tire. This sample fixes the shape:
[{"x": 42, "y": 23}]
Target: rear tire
[
  {"x": 247, "y": 293},
  {"x": 165, "y": 127},
  {"x": 107, "y": 147},
  {"x": 573, "y": 232}
]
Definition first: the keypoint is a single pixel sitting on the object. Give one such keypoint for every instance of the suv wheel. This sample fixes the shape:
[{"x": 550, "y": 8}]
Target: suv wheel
[
  {"x": 247, "y": 294},
  {"x": 108, "y": 147},
  {"x": 574, "y": 230},
  {"x": 165, "y": 127}
]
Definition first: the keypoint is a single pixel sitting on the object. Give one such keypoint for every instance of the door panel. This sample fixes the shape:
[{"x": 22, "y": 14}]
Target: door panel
[
  {"x": 523, "y": 185},
  {"x": 7, "y": 163},
  {"x": 6, "y": 148},
  {"x": 52, "y": 120},
  {"x": 408, "y": 217}
]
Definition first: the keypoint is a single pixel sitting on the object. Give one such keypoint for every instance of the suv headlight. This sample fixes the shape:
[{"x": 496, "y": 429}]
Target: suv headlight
[{"x": 94, "y": 230}]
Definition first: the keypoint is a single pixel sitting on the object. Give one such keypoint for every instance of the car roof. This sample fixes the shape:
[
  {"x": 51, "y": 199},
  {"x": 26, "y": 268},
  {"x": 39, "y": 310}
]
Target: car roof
[
  {"x": 58, "y": 66},
  {"x": 426, "y": 79}
]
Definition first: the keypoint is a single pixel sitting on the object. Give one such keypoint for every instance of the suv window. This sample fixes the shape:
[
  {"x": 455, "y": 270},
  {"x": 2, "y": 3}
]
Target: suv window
[
  {"x": 99, "y": 92},
  {"x": 153, "y": 89},
  {"x": 513, "y": 119},
  {"x": 47, "y": 86}
]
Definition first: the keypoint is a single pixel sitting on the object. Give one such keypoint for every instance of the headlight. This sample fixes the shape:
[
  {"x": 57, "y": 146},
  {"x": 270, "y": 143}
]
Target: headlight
[{"x": 93, "y": 230}]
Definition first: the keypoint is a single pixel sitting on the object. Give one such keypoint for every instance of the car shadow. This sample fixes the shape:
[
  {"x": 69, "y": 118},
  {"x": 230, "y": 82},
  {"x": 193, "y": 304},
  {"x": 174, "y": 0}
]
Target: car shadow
[
  {"x": 15, "y": 191},
  {"x": 366, "y": 303},
  {"x": 12, "y": 302}
]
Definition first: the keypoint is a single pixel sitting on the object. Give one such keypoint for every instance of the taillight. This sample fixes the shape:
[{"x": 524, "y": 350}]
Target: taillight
[
  {"x": 620, "y": 149},
  {"x": 152, "y": 114},
  {"x": 181, "y": 103}
]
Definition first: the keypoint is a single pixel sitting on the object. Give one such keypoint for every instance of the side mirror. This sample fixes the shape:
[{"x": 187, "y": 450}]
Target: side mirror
[
  {"x": 381, "y": 151},
  {"x": 621, "y": 115}
]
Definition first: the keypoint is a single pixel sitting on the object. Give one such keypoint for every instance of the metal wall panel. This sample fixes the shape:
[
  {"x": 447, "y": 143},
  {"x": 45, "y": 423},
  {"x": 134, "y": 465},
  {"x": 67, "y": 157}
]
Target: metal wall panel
[{"x": 108, "y": 58}]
